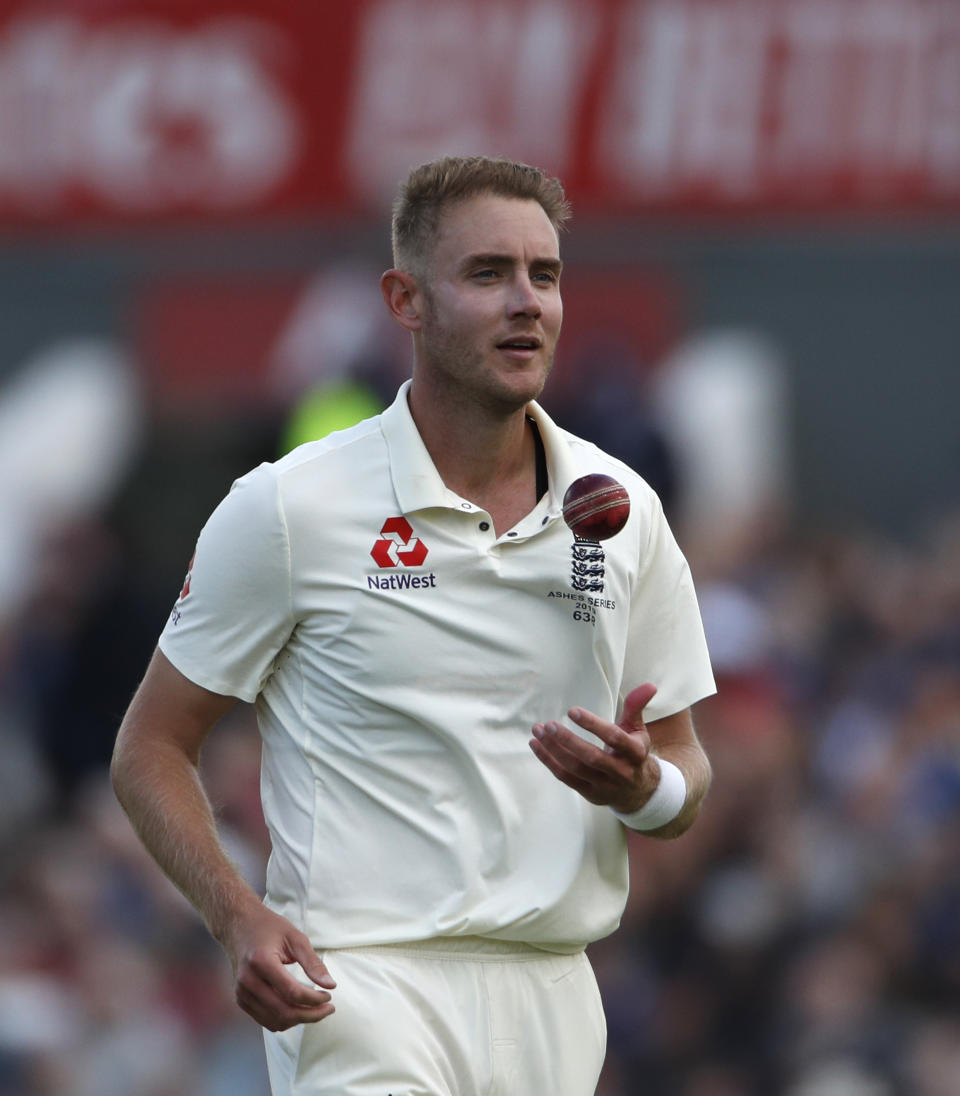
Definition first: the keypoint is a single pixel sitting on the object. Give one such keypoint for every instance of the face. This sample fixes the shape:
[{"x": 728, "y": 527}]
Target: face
[{"x": 491, "y": 303}]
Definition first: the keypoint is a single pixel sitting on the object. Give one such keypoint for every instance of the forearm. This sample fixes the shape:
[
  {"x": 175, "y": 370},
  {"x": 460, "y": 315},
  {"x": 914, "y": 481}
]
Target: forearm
[{"x": 159, "y": 787}]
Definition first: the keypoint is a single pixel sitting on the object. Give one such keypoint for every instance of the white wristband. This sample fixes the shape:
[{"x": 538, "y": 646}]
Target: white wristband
[{"x": 664, "y": 805}]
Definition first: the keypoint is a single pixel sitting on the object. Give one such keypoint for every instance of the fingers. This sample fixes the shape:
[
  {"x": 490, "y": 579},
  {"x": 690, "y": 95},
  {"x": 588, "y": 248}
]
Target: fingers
[
  {"x": 269, "y": 992},
  {"x": 622, "y": 772},
  {"x": 289, "y": 989},
  {"x": 580, "y": 755},
  {"x": 636, "y": 700},
  {"x": 280, "y": 1006},
  {"x": 596, "y": 775},
  {"x": 634, "y": 744},
  {"x": 312, "y": 964},
  {"x": 551, "y": 754}
]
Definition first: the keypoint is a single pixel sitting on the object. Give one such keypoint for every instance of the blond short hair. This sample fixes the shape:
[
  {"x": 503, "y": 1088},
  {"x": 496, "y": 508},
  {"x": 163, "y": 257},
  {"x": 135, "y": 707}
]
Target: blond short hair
[{"x": 433, "y": 187}]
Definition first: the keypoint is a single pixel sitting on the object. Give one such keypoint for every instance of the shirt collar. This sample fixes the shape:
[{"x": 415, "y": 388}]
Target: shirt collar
[
  {"x": 561, "y": 464},
  {"x": 417, "y": 483}
]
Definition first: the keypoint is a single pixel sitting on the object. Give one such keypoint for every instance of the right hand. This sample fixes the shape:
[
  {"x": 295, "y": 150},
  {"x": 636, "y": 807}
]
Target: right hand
[{"x": 260, "y": 945}]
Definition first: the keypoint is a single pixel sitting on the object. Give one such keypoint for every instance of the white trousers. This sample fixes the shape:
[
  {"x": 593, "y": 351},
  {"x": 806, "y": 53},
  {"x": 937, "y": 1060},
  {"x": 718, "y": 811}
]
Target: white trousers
[{"x": 457, "y": 1017}]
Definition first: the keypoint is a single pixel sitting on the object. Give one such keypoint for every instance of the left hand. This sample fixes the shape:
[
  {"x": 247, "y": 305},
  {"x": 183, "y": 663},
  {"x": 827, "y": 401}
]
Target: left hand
[{"x": 623, "y": 775}]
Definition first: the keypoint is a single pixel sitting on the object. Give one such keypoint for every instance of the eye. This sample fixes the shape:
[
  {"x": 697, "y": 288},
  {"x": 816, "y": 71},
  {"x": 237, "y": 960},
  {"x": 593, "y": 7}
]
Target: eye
[
  {"x": 487, "y": 274},
  {"x": 547, "y": 277}
]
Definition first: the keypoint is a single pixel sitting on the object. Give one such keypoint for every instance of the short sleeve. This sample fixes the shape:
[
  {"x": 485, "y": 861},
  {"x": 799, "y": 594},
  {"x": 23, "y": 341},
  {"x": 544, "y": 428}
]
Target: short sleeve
[
  {"x": 234, "y": 613},
  {"x": 666, "y": 643}
]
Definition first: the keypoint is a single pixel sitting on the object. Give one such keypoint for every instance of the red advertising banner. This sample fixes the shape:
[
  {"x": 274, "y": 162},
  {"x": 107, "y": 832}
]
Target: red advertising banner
[{"x": 138, "y": 110}]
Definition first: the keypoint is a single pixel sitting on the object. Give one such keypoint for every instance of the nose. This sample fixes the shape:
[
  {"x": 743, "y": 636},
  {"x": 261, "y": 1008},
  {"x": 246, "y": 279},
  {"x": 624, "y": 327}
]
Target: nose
[{"x": 524, "y": 300}]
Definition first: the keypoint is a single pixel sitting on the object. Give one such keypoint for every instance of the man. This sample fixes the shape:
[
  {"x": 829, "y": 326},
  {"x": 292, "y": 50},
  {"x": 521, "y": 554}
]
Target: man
[{"x": 404, "y": 602}]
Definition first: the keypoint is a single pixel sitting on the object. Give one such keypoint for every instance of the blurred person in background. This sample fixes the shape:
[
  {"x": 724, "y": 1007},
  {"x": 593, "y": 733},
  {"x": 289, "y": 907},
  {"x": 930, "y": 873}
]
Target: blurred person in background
[
  {"x": 420, "y": 854},
  {"x": 610, "y": 404},
  {"x": 338, "y": 359}
]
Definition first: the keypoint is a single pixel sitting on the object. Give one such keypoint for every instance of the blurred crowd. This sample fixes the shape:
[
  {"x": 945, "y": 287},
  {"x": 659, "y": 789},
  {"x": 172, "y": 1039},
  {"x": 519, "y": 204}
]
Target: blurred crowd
[{"x": 803, "y": 939}]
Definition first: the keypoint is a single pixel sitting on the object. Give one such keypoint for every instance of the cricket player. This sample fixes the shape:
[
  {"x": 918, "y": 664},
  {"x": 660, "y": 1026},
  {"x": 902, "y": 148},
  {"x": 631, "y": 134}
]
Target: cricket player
[{"x": 465, "y": 709}]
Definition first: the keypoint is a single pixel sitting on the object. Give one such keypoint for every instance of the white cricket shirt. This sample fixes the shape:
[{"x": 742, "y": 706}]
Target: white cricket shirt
[{"x": 399, "y": 652}]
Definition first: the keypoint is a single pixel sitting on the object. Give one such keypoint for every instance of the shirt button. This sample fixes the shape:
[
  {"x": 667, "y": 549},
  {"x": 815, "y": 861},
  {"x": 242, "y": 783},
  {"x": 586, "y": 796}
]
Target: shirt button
[
  {"x": 484, "y": 525},
  {"x": 545, "y": 520},
  {"x": 511, "y": 534},
  {"x": 465, "y": 506}
]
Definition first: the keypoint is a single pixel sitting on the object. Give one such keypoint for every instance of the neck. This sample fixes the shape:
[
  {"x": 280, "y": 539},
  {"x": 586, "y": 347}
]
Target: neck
[
  {"x": 484, "y": 455},
  {"x": 474, "y": 448}
]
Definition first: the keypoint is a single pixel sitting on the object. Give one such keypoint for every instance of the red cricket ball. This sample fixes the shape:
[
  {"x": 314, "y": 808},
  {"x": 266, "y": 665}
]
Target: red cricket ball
[{"x": 596, "y": 507}]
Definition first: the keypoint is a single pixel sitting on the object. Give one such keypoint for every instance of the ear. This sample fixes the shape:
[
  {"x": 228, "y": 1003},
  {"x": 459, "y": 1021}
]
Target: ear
[{"x": 402, "y": 295}]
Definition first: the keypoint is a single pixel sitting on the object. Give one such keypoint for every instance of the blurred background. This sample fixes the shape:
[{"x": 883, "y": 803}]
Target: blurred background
[{"x": 762, "y": 316}]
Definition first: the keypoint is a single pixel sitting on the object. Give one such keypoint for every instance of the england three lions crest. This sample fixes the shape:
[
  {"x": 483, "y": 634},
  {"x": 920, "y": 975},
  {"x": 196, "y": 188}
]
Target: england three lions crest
[{"x": 587, "y": 566}]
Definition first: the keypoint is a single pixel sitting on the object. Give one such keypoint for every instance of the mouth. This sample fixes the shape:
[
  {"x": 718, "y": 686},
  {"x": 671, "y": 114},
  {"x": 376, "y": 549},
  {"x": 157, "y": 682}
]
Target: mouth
[{"x": 520, "y": 345}]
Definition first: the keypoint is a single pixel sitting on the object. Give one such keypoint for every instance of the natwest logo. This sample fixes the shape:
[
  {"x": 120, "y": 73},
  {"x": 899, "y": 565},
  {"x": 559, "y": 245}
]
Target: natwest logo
[{"x": 397, "y": 544}]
